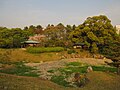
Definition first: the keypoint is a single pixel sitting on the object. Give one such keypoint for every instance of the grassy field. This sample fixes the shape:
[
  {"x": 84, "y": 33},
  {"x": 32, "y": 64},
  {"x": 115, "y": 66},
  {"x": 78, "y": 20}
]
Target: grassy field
[
  {"x": 16, "y": 77},
  {"x": 12, "y": 82},
  {"x": 23, "y": 55},
  {"x": 36, "y": 50},
  {"x": 98, "y": 81},
  {"x": 68, "y": 71}
]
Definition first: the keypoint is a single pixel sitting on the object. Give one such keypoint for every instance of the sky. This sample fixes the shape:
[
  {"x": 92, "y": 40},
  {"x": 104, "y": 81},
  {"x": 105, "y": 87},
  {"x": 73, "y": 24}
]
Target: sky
[{"x": 21, "y": 13}]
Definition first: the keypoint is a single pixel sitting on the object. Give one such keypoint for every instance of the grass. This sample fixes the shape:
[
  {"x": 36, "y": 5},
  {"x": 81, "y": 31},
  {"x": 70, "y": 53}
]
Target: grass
[
  {"x": 21, "y": 55},
  {"x": 70, "y": 70},
  {"x": 20, "y": 69},
  {"x": 75, "y": 67},
  {"x": 44, "y": 49},
  {"x": 12, "y": 82},
  {"x": 74, "y": 64},
  {"x": 51, "y": 71},
  {"x": 104, "y": 68},
  {"x": 79, "y": 67},
  {"x": 60, "y": 80},
  {"x": 98, "y": 81}
]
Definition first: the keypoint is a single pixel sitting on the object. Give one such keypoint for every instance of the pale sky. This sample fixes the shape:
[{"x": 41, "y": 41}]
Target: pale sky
[{"x": 21, "y": 13}]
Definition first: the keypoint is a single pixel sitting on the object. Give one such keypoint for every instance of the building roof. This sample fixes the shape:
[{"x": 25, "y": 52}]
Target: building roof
[
  {"x": 30, "y": 42},
  {"x": 79, "y": 44}
]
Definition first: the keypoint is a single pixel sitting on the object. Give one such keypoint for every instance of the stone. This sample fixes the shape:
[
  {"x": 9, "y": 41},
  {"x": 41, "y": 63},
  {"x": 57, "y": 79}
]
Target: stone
[{"x": 89, "y": 69}]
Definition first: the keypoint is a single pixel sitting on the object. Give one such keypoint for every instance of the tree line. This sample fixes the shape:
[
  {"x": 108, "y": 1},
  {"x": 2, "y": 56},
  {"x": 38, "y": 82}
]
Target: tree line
[{"x": 96, "y": 32}]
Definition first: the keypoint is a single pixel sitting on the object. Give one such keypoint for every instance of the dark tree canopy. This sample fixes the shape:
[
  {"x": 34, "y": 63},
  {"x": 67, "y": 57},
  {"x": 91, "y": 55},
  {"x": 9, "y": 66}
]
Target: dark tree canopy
[{"x": 95, "y": 31}]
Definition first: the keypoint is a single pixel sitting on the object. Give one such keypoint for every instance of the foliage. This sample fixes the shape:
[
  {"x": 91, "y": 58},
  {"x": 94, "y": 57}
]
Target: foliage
[
  {"x": 12, "y": 38},
  {"x": 96, "y": 31},
  {"x": 71, "y": 51},
  {"x": 58, "y": 35},
  {"x": 94, "y": 48},
  {"x": 44, "y": 49},
  {"x": 112, "y": 52}
]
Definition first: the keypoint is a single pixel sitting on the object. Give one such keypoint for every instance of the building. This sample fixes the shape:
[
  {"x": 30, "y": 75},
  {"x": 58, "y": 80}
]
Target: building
[
  {"x": 29, "y": 43},
  {"x": 118, "y": 29}
]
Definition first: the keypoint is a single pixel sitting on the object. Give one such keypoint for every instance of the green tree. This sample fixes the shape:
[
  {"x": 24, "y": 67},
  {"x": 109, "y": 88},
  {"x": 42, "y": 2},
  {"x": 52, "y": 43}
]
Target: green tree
[
  {"x": 112, "y": 51},
  {"x": 97, "y": 30},
  {"x": 12, "y": 38}
]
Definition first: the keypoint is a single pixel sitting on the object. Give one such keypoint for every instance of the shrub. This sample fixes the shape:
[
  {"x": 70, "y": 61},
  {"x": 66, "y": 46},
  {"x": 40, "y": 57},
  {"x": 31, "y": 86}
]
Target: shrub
[
  {"x": 44, "y": 49},
  {"x": 71, "y": 51}
]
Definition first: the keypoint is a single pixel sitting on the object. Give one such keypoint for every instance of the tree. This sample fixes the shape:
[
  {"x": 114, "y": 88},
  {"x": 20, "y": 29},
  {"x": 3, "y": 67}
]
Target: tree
[
  {"x": 97, "y": 30},
  {"x": 38, "y": 29},
  {"x": 112, "y": 51},
  {"x": 55, "y": 35},
  {"x": 31, "y": 29},
  {"x": 12, "y": 38}
]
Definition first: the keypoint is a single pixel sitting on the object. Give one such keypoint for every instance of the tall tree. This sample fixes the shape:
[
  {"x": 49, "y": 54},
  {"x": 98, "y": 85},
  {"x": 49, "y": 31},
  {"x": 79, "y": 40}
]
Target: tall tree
[
  {"x": 38, "y": 29},
  {"x": 95, "y": 30}
]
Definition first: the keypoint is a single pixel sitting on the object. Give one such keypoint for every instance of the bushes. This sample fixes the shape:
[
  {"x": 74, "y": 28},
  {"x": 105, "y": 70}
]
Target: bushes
[
  {"x": 44, "y": 49},
  {"x": 71, "y": 51}
]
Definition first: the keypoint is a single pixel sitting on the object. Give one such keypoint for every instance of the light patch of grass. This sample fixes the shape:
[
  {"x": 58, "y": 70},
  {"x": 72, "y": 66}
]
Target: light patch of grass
[
  {"x": 44, "y": 49},
  {"x": 70, "y": 70},
  {"x": 22, "y": 55}
]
